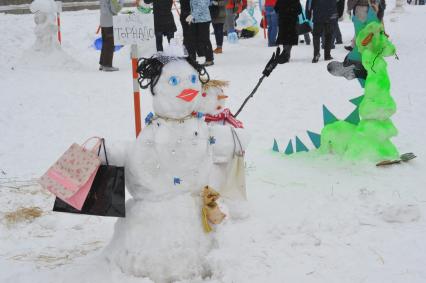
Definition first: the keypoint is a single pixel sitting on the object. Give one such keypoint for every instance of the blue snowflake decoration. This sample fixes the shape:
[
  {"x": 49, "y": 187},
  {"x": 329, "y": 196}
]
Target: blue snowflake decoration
[
  {"x": 176, "y": 181},
  {"x": 212, "y": 140},
  {"x": 148, "y": 118}
]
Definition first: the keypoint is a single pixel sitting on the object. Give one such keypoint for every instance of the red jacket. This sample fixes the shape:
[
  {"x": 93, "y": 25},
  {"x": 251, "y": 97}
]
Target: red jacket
[
  {"x": 236, "y": 5},
  {"x": 270, "y": 3}
]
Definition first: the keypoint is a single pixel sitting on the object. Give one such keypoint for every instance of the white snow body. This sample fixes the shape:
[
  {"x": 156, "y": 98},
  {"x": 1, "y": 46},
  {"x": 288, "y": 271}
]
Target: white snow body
[
  {"x": 46, "y": 28},
  {"x": 166, "y": 168}
]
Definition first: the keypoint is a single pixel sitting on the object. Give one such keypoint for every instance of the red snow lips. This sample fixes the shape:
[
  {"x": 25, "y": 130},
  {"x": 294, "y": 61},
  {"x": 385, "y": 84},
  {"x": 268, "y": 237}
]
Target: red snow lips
[{"x": 188, "y": 94}]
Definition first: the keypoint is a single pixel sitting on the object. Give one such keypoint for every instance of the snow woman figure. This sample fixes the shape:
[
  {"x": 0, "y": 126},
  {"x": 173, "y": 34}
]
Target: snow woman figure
[{"x": 167, "y": 168}]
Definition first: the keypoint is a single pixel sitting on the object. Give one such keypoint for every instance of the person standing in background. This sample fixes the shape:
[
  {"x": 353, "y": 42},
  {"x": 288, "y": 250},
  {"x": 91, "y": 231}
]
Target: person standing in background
[
  {"x": 288, "y": 17},
  {"x": 218, "y": 14},
  {"x": 188, "y": 37},
  {"x": 360, "y": 10},
  {"x": 108, "y": 8},
  {"x": 324, "y": 15},
  {"x": 272, "y": 20},
  {"x": 164, "y": 24},
  {"x": 199, "y": 20}
]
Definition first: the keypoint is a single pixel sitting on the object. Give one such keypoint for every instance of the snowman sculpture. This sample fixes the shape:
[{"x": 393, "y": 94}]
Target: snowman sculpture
[
  {"x": 167, "y": 167},
  {"x": 225, "y": 128},
  {"x": 46, "y": 29}
]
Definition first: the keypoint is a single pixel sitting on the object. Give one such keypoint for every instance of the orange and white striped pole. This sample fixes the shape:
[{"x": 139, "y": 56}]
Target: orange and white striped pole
[
  {"x": 136, "y": 90},
  {"x": 58, "y": 19}
]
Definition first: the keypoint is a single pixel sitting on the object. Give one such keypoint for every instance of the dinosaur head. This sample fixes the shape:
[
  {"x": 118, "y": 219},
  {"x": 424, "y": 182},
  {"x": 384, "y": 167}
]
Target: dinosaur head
[{"x": 374, "y": 38}]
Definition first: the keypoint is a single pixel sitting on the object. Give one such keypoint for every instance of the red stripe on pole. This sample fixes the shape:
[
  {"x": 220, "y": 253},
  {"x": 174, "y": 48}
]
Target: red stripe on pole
[
  {"x": 59, "y": 28},
  {"x": 136, "y": 98},
  {"x": 264, "y": 24},
  {"x": 137, "y": 102}
]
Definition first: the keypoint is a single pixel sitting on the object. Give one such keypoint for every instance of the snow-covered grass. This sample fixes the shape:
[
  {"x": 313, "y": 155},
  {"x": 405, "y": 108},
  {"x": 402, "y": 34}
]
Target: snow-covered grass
[{"x": 313, "y": 218}]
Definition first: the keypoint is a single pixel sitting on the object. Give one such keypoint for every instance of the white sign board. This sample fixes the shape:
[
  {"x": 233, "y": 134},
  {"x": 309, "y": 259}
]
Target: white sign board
[
  {"x": 59, "y": 6},
  {"x": 135, "y": 28}
]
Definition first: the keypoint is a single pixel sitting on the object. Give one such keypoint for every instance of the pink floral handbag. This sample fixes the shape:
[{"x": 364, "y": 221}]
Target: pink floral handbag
[{"x": 71, "y": 176}]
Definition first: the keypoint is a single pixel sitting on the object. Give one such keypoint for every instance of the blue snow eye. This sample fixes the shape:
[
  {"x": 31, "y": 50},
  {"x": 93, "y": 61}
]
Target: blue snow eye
[
  {"x": 174, "y": 81},
  {"x": 193, "y": 79}
]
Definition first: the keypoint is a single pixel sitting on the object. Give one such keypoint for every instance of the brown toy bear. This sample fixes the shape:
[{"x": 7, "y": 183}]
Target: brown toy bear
[{"x": 211, "y": 211}]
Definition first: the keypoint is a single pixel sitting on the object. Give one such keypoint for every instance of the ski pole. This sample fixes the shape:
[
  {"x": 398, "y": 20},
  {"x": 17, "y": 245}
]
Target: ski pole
[
  {"x": 278, "y": 57},
  {"x": 250, "y": 96}
]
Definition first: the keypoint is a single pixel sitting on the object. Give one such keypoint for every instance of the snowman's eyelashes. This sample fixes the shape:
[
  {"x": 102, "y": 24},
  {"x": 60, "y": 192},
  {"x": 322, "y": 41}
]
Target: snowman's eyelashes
[{"x": 203, "y": 75}]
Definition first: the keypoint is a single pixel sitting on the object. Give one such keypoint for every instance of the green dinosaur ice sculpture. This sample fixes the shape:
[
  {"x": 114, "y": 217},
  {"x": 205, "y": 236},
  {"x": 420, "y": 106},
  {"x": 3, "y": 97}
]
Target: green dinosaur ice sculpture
[{"x": 370, "y": 139}]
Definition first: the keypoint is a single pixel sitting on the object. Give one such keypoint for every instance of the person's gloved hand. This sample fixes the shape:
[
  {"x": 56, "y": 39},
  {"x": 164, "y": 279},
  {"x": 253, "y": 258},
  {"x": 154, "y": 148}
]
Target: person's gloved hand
[
  {"x": 278, "y": 57},
  {"x": 215, "y": 3},
  {"x": 189, "y": 19},
  {"x": 232, "y": 37}
]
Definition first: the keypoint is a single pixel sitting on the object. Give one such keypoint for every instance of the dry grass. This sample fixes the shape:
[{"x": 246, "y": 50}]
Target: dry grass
[{"x": 23, "y": 214}]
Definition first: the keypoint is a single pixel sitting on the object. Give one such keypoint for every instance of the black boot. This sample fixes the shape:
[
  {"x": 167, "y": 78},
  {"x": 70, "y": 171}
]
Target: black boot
[{"x": 316, "y": 58}]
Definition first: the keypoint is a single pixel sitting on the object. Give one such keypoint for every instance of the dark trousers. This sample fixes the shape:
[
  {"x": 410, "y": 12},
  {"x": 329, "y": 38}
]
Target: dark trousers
[
  {"x": 188, "y": 37},
  {"x": 201, "y": 32},
  {"x": 335, "y": 37},
  {"x": 218, "y": 34},
  {"x": 159, "y": 39},
  {"x": 107, "y": 51},
  {"x": 319, "y": 29}
]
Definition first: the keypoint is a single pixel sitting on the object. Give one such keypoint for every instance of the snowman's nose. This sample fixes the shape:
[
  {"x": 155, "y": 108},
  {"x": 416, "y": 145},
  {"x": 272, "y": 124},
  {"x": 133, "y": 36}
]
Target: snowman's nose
[
  {"x": 219, "y": 97},
  {"x": 188, "y": 94}
]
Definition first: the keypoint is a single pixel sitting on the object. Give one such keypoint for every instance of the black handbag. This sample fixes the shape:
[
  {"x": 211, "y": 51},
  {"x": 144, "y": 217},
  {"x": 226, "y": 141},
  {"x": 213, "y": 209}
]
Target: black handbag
[
  {"x": 106, "y": 196},
  {"x": 304, "y": 27}
]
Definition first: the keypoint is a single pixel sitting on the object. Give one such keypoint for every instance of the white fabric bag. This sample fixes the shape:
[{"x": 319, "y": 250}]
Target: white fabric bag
[{"x": 235, "y": 185}]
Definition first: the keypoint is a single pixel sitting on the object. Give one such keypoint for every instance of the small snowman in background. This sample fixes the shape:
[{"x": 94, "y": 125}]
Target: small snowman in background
[
  {"x": 46, "y": 29},
  {"x": 163, "y": 236},
  {"x": 227, "y": 175}
]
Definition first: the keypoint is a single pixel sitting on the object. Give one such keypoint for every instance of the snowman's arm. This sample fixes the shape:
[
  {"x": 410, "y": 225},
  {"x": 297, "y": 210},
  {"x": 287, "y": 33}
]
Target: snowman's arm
[
  {"x": 116, "y": 152},
  {"x": 223, "y": 148}
]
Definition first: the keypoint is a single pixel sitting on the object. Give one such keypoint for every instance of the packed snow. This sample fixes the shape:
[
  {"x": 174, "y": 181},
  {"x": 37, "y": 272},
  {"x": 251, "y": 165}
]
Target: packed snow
[{"x": 310, "y": 217}]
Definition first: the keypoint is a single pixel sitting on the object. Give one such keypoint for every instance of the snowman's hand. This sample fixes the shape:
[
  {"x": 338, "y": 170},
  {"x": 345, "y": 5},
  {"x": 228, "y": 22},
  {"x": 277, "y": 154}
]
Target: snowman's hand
[{"x": 116, "y": 152}]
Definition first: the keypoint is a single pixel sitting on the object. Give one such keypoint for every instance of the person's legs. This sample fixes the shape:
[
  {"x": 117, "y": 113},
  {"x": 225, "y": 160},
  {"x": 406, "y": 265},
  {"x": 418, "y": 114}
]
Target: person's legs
[
  {"x": 107, "y": 51},
  {"x": 229, "y": 20},
  {"x": 204, "y": 40},
  {"x": 218, "y": 34},
  {"x": 170, "y": 35},
  {"x": 287, "y": 51},
  {"x": 272, "y": 20},
  {"x": 159, "y": 41},
  {"x": 307, "y": 38},
  {"x": 337, "y": 33},
  {"x": 188, "y": 40},
  {"x": 317, "y": 32},
  {"x": 328, "y": 36}
]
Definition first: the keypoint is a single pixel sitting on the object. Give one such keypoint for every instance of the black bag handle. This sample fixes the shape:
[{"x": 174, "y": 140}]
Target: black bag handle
[{"x": 105, "y": 153}]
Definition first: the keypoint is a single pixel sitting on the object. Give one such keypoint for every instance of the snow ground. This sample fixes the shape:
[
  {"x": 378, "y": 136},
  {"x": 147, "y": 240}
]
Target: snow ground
[{"x": 313, "y": 218}]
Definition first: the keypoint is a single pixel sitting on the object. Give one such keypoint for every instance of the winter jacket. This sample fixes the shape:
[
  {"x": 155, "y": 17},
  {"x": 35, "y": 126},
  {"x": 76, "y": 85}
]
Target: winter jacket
[
  {"x": 219, "y": 17},
  {"x": 322, "y": 11},
  {"x": 185, "y": 9},
  {"x": 340, "y": 8},
  {"x": 288, "y": 17},
  {"x": 200, "y": 11},
  {"x": 353, "y": 3},
  {"x": 163, "y": 17},
  {"x": 107, "y": 10},
  {"x": 237, "y": 6}
]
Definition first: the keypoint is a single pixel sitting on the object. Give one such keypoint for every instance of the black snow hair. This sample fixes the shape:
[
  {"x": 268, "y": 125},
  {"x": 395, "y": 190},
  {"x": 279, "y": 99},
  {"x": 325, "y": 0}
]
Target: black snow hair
[{"x": 150, "y": 69}]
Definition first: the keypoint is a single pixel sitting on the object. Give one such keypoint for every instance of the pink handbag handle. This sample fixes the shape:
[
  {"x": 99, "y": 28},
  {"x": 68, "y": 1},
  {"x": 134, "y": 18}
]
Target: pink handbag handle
[{"x": 96, "y": 147}]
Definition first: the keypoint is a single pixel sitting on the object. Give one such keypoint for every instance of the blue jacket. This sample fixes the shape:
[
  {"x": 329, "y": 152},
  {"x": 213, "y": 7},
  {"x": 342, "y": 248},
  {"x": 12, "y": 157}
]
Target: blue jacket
[{"x": 200, "y": 11}]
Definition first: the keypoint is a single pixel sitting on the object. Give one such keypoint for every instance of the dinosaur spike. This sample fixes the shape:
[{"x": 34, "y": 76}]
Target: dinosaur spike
[
  {"x": 289, "y": 149},
  {"x": 328, "y": 116},
  {"x": 315, "y": 138},
  {"x": 300, "y": 146},
  {"x": 275, "y": 146},
  {"x": 357, "y": 100},
  {"x": 353, "y": 118}
]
